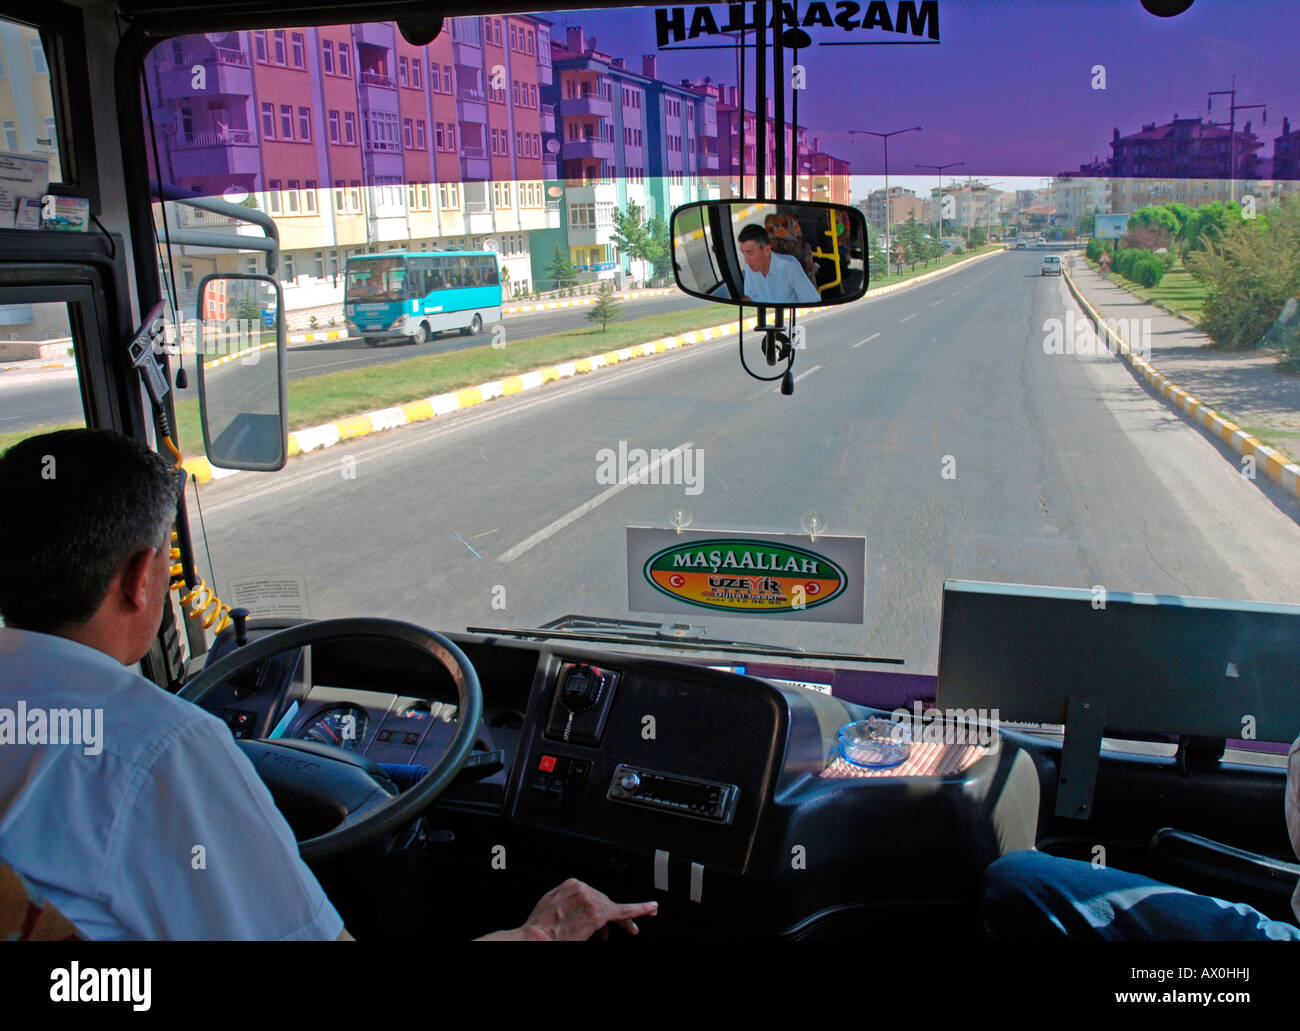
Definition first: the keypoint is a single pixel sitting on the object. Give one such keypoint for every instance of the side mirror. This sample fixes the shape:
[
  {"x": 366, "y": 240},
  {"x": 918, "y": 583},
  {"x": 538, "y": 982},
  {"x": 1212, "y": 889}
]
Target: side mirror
[
  {"x": 241, "y": 363},
  {"x": 777, "y": 253}
]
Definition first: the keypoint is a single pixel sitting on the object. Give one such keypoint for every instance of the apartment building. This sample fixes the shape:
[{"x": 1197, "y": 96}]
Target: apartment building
[{"x": 356, "y": 141}]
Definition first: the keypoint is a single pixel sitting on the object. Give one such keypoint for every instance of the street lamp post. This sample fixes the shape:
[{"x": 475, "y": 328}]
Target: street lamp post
[
  {"x": 885, "y": 137},
  {"x": 939, "y": 169}
]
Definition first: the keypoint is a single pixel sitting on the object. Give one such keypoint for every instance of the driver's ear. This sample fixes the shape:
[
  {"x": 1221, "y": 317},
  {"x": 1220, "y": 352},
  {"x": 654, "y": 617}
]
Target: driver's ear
[{"x": 133, "y": 580}]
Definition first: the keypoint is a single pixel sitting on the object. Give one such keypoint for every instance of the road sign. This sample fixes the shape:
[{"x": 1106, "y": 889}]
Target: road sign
[{"x": 1110, "y": 227}]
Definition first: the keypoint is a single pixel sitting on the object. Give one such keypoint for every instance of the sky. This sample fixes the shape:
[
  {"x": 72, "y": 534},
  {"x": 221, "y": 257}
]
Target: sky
[{"x": 1010, "y": 87}]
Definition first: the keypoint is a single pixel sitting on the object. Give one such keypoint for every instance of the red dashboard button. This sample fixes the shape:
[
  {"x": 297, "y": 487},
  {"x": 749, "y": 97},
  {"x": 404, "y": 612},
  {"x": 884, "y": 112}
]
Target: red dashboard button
[{"x": 547, "y": 763}]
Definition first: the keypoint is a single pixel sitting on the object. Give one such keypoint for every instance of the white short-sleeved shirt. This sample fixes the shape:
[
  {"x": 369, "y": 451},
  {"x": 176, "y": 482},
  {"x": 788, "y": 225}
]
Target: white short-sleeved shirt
[
  {"x": 786, "y": 282},
  {"x": 165, "y": 831}
]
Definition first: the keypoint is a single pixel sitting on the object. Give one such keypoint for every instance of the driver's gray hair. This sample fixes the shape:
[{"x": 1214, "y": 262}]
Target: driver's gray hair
[{"x": 74, "y": 506}]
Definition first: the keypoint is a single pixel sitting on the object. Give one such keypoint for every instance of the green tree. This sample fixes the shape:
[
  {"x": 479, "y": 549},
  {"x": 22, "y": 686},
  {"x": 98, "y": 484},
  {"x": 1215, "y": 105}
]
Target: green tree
[
  {"x": 977, "y": 237},
  {"x": 1207, "y": 224},
  {"x": 606, "y": 309},
  {"x": 560, "y": 268},
  {"x": 248, "y": 310},
  {"x": 1251, "y": 272},
  {"x": 1086, "y": 225},
  {"x": 1155, "y": 217},
  {"x": 640, "y": 240}
]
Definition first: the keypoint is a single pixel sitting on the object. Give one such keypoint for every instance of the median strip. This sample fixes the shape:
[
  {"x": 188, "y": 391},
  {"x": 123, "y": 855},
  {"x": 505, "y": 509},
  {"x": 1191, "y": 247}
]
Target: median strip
[
  {"x": 349, "y": 428},
  {"x": 1279, "y": 467}
]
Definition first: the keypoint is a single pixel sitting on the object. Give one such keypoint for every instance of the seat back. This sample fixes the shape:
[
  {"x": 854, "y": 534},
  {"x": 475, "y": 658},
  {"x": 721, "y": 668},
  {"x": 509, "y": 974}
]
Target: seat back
[{"x": 26, "y": 915}]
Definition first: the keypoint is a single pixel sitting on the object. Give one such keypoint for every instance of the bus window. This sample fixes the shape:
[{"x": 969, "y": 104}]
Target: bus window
[{"x": 490, "y": 276}]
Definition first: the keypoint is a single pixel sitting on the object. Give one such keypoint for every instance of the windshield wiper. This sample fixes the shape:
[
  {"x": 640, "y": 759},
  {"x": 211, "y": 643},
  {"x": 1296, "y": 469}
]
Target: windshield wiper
[{"x": 661, "y": 635}]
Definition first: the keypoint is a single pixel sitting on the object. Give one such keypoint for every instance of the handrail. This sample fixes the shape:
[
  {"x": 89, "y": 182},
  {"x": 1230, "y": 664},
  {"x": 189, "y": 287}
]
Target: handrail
[{"x": 214, "y": 238}]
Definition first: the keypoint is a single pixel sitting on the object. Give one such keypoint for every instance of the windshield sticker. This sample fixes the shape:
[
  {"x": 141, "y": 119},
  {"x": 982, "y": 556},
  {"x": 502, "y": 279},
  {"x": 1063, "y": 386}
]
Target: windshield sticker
[{"x": 741, "y": 574}]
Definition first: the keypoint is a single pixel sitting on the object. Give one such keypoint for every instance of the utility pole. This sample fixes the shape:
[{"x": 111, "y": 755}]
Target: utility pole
[
  {"x": 885, "y": 137},
  {"x": 939, "y": 169},
  {"x": 1231, "y": 123}
]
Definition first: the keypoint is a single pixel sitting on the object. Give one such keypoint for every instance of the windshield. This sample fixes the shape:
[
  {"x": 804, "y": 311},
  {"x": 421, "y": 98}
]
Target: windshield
[
  {"x": 376, "y": 279},
  {"x": 483, "y": 466}
]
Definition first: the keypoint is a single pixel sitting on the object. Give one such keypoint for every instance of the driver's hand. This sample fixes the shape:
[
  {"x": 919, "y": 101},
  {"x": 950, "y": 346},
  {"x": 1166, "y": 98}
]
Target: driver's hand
[{"x": 575, "y": 911}]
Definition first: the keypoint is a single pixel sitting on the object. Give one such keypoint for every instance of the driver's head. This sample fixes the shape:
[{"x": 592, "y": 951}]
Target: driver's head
[
  {"x": 756, "y": 248},
  {"x": 85, "y": 523}
]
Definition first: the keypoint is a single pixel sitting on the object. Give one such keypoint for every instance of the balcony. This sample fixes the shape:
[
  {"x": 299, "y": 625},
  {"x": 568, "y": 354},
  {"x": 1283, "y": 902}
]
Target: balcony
[
  {"x": 589, "y": 236},
  {"x": 478, "y": 217},
  {"x": 587, "y": 104},
  {"x": 471, "y": 106},
  {"x": 373, "y": 33},
  {"x": 233, "y": 152},
  {"x": 474, "y": 165},
  {"x": 369, "y": 78},
  {"x": 588, "y": 148},
  {"x": 548, "y": 118},
  {"x": 226, "y": 74},
  {"x": 595, "y": 191}
]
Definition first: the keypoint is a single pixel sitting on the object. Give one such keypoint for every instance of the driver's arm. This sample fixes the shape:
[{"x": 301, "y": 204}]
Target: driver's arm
[
  {"x": 574, "y": 912},
  {"x": 198, "y": 850}
]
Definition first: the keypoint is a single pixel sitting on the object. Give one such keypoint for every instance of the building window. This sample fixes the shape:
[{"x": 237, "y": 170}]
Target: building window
[
  {"x": 286, "y": 122},
  {"x": 309, "y": 196},
  {"x": 335, "y": 137},
  {"x": 424, "y": 196},
  {"x": 403, "y": 71},
  {"x": 38, "y": 56},
  {"x": 349, "y": 127},
  {"x": 345, "y": 59},
  {"x": 439, "y": 141},
  {"x": 532, "y": 96},
  {"x": 327, "y": 56},
  {"x": 519, "y": 143},
  {"x": 408, "y": 133},
  {"x": 259, "y": 45},
  {"x": 273, "y": 196},
  {"x": 268, "y": 121},
  {"x": 304, "y": 124},
  {"x": 446, "y": 78},
  {"x": 354, "y": 194},
  {"x": 514, "y": 38},
  {"x": 416, "y": 74},
  {"x": 292, "y": 196},
  {"x": 280, "y": 53},
  {"x": 419, "y": 134},
  {"x": 435, "y": 78},
  {"x": 299, "y": 51},
  {"x": 338, "y": 194},
  {"x": 290, "y": 272}
]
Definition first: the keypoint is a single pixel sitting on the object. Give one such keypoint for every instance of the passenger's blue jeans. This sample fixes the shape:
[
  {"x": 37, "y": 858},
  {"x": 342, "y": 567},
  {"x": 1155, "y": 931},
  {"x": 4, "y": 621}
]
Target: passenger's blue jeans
[{"x": 1031, "y": 896}]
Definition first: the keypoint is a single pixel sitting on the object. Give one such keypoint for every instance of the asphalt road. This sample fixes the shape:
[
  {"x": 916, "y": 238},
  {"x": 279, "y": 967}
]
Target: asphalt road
[
  {"x": 49, "y": 398},
  {"x": 930, "y": 421}
]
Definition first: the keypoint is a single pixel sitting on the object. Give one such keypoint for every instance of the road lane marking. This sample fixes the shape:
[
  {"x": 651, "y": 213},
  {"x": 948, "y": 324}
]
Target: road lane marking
[
  {"x": 867, "y": 341},
  {"x": 808, "y": 373},
  {"x": 935, "y": 304},
  {"x": 575, "y": 514},
  {"x": 985, "y": 276},
  {"x": 906, "y": 317}
]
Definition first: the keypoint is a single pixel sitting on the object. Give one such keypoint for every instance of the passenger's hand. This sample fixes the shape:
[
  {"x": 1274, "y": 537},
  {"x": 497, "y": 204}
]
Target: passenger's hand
[{"x": 575, "y": 911}]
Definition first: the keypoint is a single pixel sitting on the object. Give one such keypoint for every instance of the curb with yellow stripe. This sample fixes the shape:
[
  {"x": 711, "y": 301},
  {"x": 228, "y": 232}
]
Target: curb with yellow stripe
[
  {"x": 303, "y": 441},
  {"x": 1280, "y": 467}
]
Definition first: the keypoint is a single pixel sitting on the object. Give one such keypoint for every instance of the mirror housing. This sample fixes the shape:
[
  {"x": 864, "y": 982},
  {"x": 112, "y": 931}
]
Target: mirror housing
[
  {"x": 240, "y": 357},
  {"x": 771, "y": 253}
]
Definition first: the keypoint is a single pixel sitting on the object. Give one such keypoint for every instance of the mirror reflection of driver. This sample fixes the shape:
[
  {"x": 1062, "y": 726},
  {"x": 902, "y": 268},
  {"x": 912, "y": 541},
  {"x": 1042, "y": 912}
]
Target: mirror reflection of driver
[
  {"x": 147, "y": 821},
  {"x": 773, "y": 278}
]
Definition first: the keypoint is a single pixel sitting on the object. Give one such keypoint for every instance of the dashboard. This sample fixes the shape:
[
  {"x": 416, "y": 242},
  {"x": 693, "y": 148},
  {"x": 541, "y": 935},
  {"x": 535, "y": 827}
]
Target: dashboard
[{"x": 648, "y": 778}]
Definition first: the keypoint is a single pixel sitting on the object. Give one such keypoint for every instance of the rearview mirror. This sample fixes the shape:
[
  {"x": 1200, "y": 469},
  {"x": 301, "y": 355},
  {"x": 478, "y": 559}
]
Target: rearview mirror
[
  {"x": 241, "y": 365},
  {"x": 756, "y": 252}
]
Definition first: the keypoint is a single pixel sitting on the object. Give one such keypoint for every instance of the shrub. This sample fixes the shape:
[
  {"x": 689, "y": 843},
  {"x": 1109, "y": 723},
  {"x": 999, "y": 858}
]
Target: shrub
[
  {"x": 1147, "y": 270},
  {"x": 1094, "y": 249}
]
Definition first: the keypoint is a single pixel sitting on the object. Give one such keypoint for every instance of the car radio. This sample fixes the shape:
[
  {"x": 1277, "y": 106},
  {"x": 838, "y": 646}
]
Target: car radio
[{"x": 686, "y": 796}]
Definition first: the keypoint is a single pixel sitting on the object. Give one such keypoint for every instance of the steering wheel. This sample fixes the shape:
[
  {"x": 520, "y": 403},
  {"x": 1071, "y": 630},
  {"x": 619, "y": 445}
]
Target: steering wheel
[{"x": 337, "y": 779}]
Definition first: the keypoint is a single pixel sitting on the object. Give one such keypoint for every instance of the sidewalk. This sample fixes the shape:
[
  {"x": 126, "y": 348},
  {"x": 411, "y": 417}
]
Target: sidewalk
[{"x": 1242, "y": 387}]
